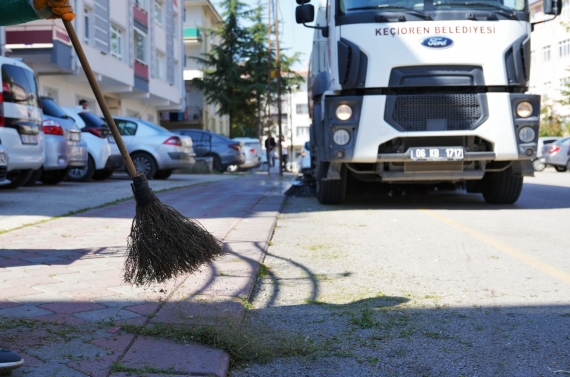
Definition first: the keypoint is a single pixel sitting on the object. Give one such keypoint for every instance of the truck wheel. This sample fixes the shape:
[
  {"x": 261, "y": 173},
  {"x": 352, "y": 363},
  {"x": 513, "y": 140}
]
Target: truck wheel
[
  {"x": 333, "y": 191},
  {"x": 82, "y": 174},
  {"x": 561, "y": 169},
  {"x": 53, "y": 177},
  {"x": 17, "y": 178},
  {"x": 538, "y": 166},
  {"x": 502, "y": 187}
]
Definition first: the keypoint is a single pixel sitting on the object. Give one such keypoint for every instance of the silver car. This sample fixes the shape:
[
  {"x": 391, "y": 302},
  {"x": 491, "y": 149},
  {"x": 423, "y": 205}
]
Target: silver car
[
  {"x": 557, "y": 155},
  {"x": 3, "y": 166},
  {"x": 155, "y": 151},
  {"x": 252, "y": 150},
  {"x": 543, "y": 145}
]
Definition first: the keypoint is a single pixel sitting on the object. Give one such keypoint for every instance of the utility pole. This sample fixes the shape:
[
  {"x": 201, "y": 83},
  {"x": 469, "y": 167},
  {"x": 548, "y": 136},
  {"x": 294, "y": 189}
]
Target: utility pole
[
  {"x": 278, "y": 57},
  {"x": 267, "y": 151}
]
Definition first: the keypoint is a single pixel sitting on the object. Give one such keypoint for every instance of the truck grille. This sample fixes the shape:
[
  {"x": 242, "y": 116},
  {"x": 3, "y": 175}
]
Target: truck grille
[
  {"x": 436, "y": 112},
  {"x": 3, "y": 172}
]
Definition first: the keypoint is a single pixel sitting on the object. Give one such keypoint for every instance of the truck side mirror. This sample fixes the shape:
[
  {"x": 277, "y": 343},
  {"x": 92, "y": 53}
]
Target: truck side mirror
[
  {"x": 306, "y": 13},
  {"x": 552, "y": 7}
]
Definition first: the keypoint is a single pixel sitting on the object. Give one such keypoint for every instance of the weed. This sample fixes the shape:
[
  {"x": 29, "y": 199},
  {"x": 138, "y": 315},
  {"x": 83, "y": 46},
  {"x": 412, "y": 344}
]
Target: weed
[
  {"x": 365, "y": 320},
  {"x": 244, "y": 345},
  {"x": 263, "y": 271},
  {"x": 312, "y": 301},
  {"x": 245, "y": 302},
  {"x": 432, "y": 334},
  {"x": 118, "y": 367}
]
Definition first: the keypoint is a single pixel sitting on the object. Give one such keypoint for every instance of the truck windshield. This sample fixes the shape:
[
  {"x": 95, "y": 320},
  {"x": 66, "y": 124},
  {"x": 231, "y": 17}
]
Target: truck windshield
[{"x": 413, "y": 6}]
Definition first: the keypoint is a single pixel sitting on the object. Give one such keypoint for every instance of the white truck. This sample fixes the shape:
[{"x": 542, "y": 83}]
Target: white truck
[{"x": 422, "y": 92}]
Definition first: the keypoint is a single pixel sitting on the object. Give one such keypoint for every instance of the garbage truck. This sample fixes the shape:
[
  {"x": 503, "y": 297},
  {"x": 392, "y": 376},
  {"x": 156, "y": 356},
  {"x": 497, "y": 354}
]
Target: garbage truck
[{"x": 429, "y": 92}]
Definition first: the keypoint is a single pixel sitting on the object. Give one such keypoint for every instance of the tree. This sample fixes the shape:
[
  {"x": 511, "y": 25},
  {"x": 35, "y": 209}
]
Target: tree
[{"x": 550, "y": 122}]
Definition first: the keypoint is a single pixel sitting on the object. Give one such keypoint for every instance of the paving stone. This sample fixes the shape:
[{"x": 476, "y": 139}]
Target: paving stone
[
  {"x": 144, "y": 309},
  {"x": 105, "y": 314},
  {"x": 61, "y": 318},
  {"x": 24, "y": 311},
  {"x": 120, "y": 301},
  {"x": 88, "y": 294},
  {"x": 61, "y": 287},
  {"x": 40, "y": 298},
  {"x": 184, "y": 359},
  {"x": 96, "y": 367},
  {"x": 76, "y": 277},
  {"x": 71, "y": 307},
  {"x": 230, "y": 286},
  {"x": 116, "y": 344},
  {"x": 7, "y": 305}
]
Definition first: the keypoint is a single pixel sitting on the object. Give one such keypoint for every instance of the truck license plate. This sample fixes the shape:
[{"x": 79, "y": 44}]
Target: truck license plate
[
  {"x": 29, "y": 139},
  {"x": 437, "y": 154}
]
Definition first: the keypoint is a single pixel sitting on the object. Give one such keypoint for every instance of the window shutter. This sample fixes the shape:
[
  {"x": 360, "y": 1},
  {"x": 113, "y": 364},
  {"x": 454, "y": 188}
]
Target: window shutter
[
  {"x": 102, "y": 25},
  {"x": 170, "y": 42}
]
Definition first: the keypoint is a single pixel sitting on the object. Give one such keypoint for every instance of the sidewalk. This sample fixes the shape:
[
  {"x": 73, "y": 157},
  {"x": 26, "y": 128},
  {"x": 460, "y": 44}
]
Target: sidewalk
[{"x": 66, "y": 273}]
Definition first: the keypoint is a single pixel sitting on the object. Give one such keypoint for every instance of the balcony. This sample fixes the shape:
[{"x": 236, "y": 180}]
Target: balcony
[
  {"x": 45, "y": 48},
  {"x": 141, "y": 76},
  {"x": 141, "y": 17},
  {"x": 192, "y": 35}
]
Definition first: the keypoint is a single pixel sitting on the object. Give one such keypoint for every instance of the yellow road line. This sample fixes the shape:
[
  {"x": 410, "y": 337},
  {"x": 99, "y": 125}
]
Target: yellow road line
[{"x": 528, "y": 259}]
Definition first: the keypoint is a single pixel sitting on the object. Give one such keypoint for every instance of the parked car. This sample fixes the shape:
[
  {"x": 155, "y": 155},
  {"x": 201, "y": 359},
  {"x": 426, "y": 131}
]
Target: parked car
[
  {"x": 20, "y": 121},
  {"x": 155, "y": 151},
  {"x": 64, "y": 147},
  {"x": 558, "y": 155},
  {"x": 305, "y": 165},
  {"x": 543, "y": 146},
  {"x": 104, "y": 156},
  {"x": 252, "y": 151},
  {"x": 224, "y": 151},
  {"x": 3, "y": 165}
]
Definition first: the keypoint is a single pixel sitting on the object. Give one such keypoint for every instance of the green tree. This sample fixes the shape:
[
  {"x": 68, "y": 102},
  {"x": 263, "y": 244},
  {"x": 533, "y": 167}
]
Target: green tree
[{"x": 550, "y": 122}]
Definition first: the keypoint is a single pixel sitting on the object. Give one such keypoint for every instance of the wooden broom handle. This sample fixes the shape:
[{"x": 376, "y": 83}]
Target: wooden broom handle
[{"x": 100, "y": 98}]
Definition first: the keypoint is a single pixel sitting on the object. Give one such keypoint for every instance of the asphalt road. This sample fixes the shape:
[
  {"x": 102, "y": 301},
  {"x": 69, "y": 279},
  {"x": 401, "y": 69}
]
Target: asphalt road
[{"x": 424, "y": 284}]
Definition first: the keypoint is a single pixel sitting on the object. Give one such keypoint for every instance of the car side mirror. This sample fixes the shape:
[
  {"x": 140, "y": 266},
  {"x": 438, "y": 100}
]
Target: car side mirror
[
  {"x": 552, "y": 7},
  {"x": 305, "y": 13}
]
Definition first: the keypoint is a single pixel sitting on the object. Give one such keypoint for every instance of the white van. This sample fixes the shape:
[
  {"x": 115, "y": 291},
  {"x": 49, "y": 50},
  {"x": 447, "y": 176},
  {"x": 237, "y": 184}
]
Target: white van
[{"x": 20, "y": 121}]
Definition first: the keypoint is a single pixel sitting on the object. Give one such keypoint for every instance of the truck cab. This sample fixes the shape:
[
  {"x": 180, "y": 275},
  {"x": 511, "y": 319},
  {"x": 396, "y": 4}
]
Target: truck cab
[{"x": 422, "y": 92}]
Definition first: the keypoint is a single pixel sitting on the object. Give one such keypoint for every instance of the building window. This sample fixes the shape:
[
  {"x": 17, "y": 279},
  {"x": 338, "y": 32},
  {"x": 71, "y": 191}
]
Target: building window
[
  {"x": 159, "y": 65},
  {"x": 140, "y": 46},
  {"x": 116, "y": 42},
  {"x": 302, "y": 131},
  {"x": 87, "y": 19},
  {"x": 546, "y": 53},
  {"x": 141, "y": 4},
  {"x": 564, "y": 47},
  {"x": 302, "y": 108},
  {"x": 158, "y": 12}
]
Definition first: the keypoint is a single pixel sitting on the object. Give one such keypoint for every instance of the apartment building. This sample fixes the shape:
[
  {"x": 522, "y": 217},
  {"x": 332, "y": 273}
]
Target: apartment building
[
  {"x": 550, "y": 56},
  {"x": 199, "y": 15},
  {"x": 135, "y": 48}
]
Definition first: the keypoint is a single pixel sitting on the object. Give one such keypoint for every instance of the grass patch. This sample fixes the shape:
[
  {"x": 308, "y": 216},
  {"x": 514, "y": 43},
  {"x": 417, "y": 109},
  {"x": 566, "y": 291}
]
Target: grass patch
[
  {"x": 263, "y": 271},
  {"x": 365, "y": 319},
  {"x": 118, "y": 368},
  {"x": 244, "y": 345},
  {"x": 245, "y": 302}
]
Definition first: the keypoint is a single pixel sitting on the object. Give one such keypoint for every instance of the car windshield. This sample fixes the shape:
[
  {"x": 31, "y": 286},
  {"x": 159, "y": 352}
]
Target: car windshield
[
  {"x": 411, "y": 6},
  {"x": 91, "y": 120},
  {"x": 52, "y": 109}
]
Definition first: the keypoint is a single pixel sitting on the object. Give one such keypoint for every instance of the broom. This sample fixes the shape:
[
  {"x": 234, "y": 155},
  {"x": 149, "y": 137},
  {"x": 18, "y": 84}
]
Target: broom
[{"x": 163, "y": 243}]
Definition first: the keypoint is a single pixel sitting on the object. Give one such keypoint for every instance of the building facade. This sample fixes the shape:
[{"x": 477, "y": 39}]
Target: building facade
[
  {"x": 199, "y": 16},
  {"x": 134, "y": 47},
  {"x": 550, "y": 57}
]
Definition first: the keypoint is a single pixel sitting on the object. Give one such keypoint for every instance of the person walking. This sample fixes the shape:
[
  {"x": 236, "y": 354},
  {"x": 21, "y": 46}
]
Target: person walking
[
  {"x": 270, "y": 145},
  {"x": 284, "y": 153},
  {"x": 14, "y": 12}
]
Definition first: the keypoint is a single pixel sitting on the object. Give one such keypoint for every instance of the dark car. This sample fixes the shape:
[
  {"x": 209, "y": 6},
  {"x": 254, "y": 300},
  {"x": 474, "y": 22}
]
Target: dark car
[{"x": 224, "y": 151}]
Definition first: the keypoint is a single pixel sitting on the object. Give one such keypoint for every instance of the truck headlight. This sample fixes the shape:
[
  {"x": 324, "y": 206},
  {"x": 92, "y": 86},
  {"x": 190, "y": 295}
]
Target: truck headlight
[
  {"x": 341, "y": 137},
  {"x": 343, "y": 112},
  {"x": 526, "y": 134},
  {"x": 524, "y": 109}
]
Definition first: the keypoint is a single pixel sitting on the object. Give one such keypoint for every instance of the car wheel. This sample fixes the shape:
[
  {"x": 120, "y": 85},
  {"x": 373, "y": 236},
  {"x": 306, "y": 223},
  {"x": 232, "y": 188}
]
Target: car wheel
[
  {"x": 82, "y": 174},
  {"x": 17, "y": 178},
  {"x": 103, "y": 174},
  {"x": 561, "y": 169},
  {"x": 36, "y": 174},
  {"x": 502, "y": 187},
  {"x": 144, "y": 163},
  {"x": 217, "y": 164},
  {"x": 538, "y": 166},
  {"x": 163, "y": 174},
  {"x": 53, "y": 177}
]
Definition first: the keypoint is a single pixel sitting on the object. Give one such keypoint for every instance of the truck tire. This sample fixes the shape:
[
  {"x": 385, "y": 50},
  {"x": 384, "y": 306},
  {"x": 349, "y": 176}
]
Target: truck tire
[
  {"x": 331, "y": 191},
  {"x": 502, "y": 188}
]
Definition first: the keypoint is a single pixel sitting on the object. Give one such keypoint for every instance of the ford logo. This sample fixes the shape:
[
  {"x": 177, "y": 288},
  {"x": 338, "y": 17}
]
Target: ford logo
[{"x": 437, "y": 42}]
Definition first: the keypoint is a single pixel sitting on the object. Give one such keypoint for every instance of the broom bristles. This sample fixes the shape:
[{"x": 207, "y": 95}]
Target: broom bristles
[{"x": 163, "y": 243}]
